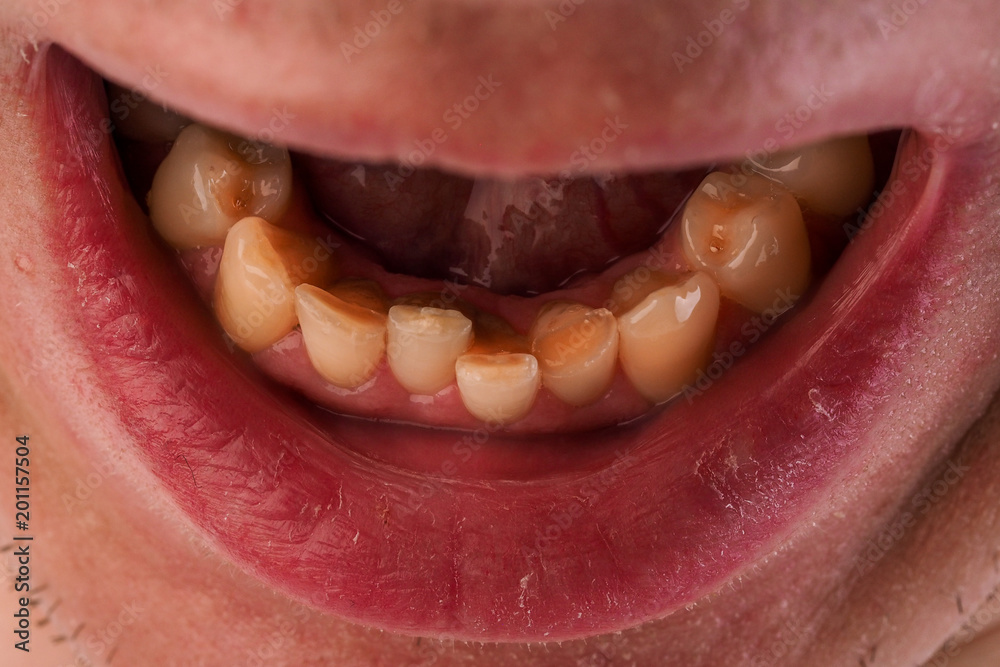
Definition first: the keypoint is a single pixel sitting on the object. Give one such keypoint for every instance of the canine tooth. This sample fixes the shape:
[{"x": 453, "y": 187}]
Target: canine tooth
[
  {"x": 260, "y": 268},
  {"x": 833, "y": 178},
  {"x": 497, "y": 388},
  {"x": 668, "y": 336},
  {"x": 345, "y": 341},
  {"x": 748, "y": 233},
  {"x": 577, "y": 349},
  {"x": 423, "y": 345},
  {"x": 210, "y": 180}
]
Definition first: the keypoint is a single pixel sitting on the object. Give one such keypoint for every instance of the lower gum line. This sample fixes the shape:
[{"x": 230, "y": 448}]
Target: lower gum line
[{"x": 603, "y": 359}]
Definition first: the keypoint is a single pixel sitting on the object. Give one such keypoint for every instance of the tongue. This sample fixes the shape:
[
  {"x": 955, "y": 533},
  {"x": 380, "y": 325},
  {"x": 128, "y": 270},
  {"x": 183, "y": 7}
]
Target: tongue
[{"x": 514, "y": 237}]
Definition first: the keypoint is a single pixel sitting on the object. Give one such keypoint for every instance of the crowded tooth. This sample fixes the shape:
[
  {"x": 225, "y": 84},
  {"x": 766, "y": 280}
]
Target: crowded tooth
[
  {"x": 749, "y": 234},
  {"x": 423, "y": 345},
  {"x": 211, "y": 180},
  {"x": 260, "y": 268},
  {"x": 497, "y": 388},
  {"x": 345, "y": 341},
  {"x": 577, "y": 350},
  {"x": 833, "y": 178},
  {"x": 669, "y": 335},
  {"x": 139, "y": 118}
]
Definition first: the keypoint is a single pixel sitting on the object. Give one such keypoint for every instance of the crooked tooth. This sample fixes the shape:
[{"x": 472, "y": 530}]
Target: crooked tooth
[
  {"x": 210, "y": 180},
  {"x": 345, "y": 341},
  {"x": 497, "y": 388},
  {"x": 748, "y": 233},
  {"x": 833, "y": 178},
  {"x": 668, "y": 336},
  {"x": 577, "y": 349},
  {"x": 424, "y": 344},
  {"x": 255, "y": 289}
]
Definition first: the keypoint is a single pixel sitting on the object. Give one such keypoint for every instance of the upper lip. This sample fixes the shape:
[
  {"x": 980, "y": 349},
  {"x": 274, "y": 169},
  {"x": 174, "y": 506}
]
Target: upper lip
[{"x": 477, "y": 558}]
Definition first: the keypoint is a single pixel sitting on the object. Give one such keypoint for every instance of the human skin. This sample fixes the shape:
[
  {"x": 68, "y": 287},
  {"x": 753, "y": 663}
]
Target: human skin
[{"x": 811, "y": 593}]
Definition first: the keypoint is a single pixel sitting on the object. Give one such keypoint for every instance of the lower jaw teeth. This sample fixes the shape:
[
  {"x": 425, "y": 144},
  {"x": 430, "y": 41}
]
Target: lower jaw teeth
[{"x": 743, "y": 238}]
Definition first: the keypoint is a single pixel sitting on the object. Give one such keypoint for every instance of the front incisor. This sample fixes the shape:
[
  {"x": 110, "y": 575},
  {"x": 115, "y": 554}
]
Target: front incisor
[
  {"x": 497, "y": 388},
  {"x": 345, "y": 341},
  {"x": 748, "y": 233},
  {"x": 833, "y": 178},
  {"x": 577, "y": 350},
  {"x": 210, "y": 180},
  {"x": 260, "y": 268},
  {"x": 424, "y": 344},
  {"x": 668, "y": 336}
]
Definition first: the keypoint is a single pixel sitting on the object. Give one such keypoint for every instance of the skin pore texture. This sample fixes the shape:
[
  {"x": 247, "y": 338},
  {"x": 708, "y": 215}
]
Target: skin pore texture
[{"x": 888, "y": 554}]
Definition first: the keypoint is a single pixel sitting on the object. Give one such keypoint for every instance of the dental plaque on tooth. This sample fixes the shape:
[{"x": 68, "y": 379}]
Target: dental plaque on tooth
[{"x": 591, "y": 347}]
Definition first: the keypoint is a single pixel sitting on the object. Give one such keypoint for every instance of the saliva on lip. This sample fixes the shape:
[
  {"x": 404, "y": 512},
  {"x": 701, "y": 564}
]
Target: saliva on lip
[{"x": 743, "y": 236}]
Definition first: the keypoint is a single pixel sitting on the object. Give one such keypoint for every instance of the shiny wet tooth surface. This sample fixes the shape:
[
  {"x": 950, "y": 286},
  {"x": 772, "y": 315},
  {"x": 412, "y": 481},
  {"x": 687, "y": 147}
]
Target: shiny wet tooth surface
[
  {"x": 345, "y": 341},
  {"x": 497, "y": 388},
  {"x": 669, "y": 335},
  {"x": 255, "y": 288},
  {"x": 748, "y": 233},
  {"x": 424, "y": 344}
]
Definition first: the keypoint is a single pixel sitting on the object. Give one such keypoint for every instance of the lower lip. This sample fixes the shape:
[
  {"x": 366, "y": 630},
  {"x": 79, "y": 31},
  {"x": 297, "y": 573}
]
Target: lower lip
[{"x": 542, "y": 540}]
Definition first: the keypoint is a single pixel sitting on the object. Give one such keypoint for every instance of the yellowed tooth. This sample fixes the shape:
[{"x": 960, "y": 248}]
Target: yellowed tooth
[
  {"x": 423, "y": 345},
  {"x": 669, "y": 335},
  {"x": 255, "y": 289},
  {"x": 748, "y": 233},
  {"x": 497, "y": 388},
  {"x": 345, "y": 341},
  {"x": 577, "y": 350},
  {"x": 210, "y": 180},
  {"x": 833, "y": 178},
  {"x": 139, "y": 118}
]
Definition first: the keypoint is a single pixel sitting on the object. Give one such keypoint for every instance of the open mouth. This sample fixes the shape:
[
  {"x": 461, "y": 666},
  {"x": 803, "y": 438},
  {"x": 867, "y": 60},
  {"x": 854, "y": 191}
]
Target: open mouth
[{"x": 538, "y": 502}]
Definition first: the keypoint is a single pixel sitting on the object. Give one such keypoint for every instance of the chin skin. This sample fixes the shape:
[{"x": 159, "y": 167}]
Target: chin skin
[{"x": 888, "y": 564}]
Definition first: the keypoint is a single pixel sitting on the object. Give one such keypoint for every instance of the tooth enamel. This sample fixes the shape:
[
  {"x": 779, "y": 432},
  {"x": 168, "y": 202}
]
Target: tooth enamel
[
  {"x": 344, "y": 341},
  {"x": 260, "y": 268},
  {"x": 211, "y": 180},
  {"x": 833, "y": 178},
  {"x": 668, "y": 336},
  {"x": 139, "y": 118},
  {"x": 577, "y": 349},
  {"x": 748, "y": 233},
  {"x": 423, "y": 345},
  {"x": 497, "y": 388}
]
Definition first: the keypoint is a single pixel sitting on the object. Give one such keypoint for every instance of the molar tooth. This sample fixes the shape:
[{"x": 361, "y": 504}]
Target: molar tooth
[
  {"x": 210, "y": 180},
  {"x": 345, "y": 341},
  {"x": 833, "y": 178},
  {"x": 668, "y": 336},
  {"x": 497, "y": 388},
  {"x": 749, "y": 234},
  {"x": 423, "y": 345},
  {"x": 260, "y": 268},
  {"x": 577, "y": 348}
]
